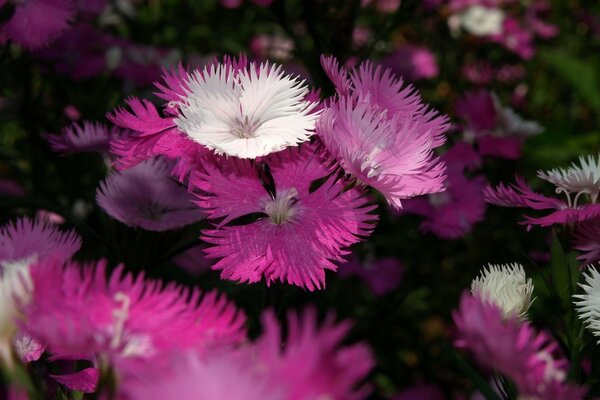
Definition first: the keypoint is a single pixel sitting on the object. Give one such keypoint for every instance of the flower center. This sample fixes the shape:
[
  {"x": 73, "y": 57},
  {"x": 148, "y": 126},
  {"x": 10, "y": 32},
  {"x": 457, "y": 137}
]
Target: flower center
[
  {"x": 282, "y": 209},
  {"x": 245, "y": 128}
]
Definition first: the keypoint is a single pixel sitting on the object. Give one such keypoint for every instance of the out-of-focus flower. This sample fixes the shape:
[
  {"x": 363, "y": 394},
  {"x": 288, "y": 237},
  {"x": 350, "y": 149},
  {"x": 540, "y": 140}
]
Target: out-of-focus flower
[
  {"x": 72, "y": 112},
  {"x": 588, "y": 303},
  {"x": 193, "y": 260},
  {"x": 519, "y": 194},
  {"x": 383, "y": 6},
  {"x": 451, "y": 214},
  {"x": 35, "y": 23},
  {"x": 237, "y": 3},
  {"x": 412, "y": 63},
  {"x": 516, "y": 38},
  {"x": 512, "y": 347},
  {"x": 81, "y": 138},
  {"x": 11, "y": 188},
  {"x": 272, "y": 47},
  {"x": 382, "y": 275},
  {"x": 507, "y": 287},
  {"x": 147, "y": 197},
  {"x": 300, "y": 231},
  {"x": 381, "y": 133},
  {"x": 420, "y": 392},
  {"x": 586, "y": 238},
  {"x": 577, "y": 179},
  {"x": 498, "y": 130},
  {"x": 482, "y": 21},
  {"x": 82, "y": 311}
]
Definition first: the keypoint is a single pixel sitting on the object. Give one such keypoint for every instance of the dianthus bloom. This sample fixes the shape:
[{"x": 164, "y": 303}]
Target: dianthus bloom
[
  {"x": 302, "y": 228},
  {"x": 234, "y": 108},
  {"x": 586, "y": 239},
  {"x": 381, "y": 133},
  {"x": 588, "y": 303},
  {"x": 81, "y": 311},
  {"x": 146, "y": 197},
  {"x": 520, "y": 194},
  {"x": 497, "y": 130},
  {"x": 506, "y": 286},
  {"x": 35, "y": 23},
  {"x": 531, "y": 359},
  {"x": 86, "y": 137},
  {"x": 311, "y": 363},
  {"x": 381, "y": 275}
]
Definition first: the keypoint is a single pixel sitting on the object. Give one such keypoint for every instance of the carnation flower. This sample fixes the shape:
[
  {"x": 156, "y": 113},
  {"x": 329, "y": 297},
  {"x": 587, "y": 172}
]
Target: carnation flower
[
  {"x": 512, "y": 347},
  {"x": 520, "y": 194},
  {"x": 588, "y": 303},
  {"x": 87, "y": 137},
  {"x": 482, "y": 21},
  {"x": 381, "y": 133},
  {"x": 412, "y": 63},
  {"x": 507, "y": 287},
  {"x": 577, "y": 179},
  {"x": 35, "y": 23},
  {"x": 586, "y": 238},
  {"x": 147, "y": 197},
  {"x": 300, "y": 231},
  {"x": 382, "y": 275},
  {"x": 81, "y": 311}
]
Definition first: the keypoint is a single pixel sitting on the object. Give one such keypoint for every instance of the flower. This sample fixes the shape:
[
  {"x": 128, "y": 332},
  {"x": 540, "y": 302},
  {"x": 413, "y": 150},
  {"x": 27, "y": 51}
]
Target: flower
[
  {"x": 35, "y": 23},
  {"x": 146, "y": 197},
  {"x": 412, "y": 63},
  {"x": 513, "y": 348},
  {"x": 87, "y": 137},
  {"x": 247, "y": 113},
  {"x": 578, "y": 179},
  {"x": 482, "y": 21},
  {"x": 301, "y": 230},
  {"x": 586, "y": 238},
  {"x": 588, "y": 303},
  {"x": 381, "y": 275},
  {"x": 520, "y": 194},
  {"x": 506, "y": 286},
  {"x": 381, "y": 133},
  {"x": 81, "y": 310}
]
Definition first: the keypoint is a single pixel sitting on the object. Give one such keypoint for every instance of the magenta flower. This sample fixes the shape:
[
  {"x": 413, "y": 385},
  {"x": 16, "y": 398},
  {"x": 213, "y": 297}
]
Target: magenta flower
[
  {"x": 77, "y": 311},
  {"x": 301, "y": 231},
  {"x": 35, "y": 23},
  {"x": 586, "y": 239},
  {"x": 382, "y": 275},
  {"x": 381, "y": 133},
  {"x": 147, "y": 197},
  {"x": 313, "y": 364},
  {"x": 412, "y": 63},
  {"x": 498, "y": 130},
  {"x": 519, "y": 194},
  {"x": 86, "y": 137},
  {"x": 237, "y": 3},
  {"x": 513, "y": 348},
  {"x": 25, "y": 241}
]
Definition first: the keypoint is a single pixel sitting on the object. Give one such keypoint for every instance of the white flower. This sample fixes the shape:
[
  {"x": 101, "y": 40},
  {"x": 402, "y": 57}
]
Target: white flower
[
  {"x": 482, "y": 21},
  {"x": 588, "y": 304},
  {"x": 247, "y": 113},
  {"x": 582, "y": 178},
  {"x": 509, "y": 123},
  {"x": 507, "y": 287}
]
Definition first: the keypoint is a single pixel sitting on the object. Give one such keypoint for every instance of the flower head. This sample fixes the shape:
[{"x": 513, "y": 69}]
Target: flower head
[
  {"x": 87, "y": 137},
  {"x": 302, "y": 228},
  {"x": 382, "y": 134},
  {"x": 83, "y": 311},
  {"x": 588, "y": 303},
  {"x": 586, "y": 238},
  {"x": 506, "y": 286},
  {"x": 147, "y": 197},
  {"x": 577, "y": 179}
]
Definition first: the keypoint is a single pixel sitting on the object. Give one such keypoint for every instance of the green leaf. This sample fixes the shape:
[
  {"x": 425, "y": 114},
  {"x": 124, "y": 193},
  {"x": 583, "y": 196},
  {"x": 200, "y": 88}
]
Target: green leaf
[{"x": 559, "y": 270}]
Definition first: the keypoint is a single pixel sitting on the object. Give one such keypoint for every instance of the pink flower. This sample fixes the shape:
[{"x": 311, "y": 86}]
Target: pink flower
[
  {"x": 381, "y": 133},
  {"x": 301, "y": 231},
  {"x": 237, "y": 3},
  {"x": 193, "y": 260},
  {"x": 383, "y": 6},
  {"x": 519, "y": 194},
  {"x": 79, "y": 311},
  {"x": 412, "y": 63},
  {"x": 35, "y": 23},
  {"x": 586, "y": 239},
  {"x": 147, "y": 197},
  {"x": 513, "y": 348},
  {"x": 86, "y": 137},
  {"x": 516, "y": 38},
  {"x": 382, "y": 275},
  {"x": 24, "y": 240},
  {"x": 313, "y": 363}
]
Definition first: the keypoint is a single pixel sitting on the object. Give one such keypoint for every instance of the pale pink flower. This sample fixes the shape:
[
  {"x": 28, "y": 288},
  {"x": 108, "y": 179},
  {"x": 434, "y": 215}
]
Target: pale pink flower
[
  {"x": 80, "y": 311},
  {"x": 381, "y": 133},
  {"x": 147, "y": 197},
  {"x": 300, "y": 231},
  {"x": 35, "y": 23}
]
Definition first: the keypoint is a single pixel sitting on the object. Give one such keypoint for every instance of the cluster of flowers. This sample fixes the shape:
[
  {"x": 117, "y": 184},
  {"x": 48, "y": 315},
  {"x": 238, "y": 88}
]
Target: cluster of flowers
[
  {"x": 142, "y": 339},
  {"x": 280, "y": 175}
]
